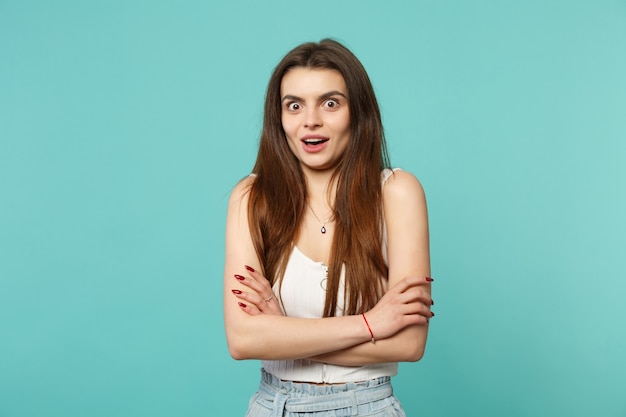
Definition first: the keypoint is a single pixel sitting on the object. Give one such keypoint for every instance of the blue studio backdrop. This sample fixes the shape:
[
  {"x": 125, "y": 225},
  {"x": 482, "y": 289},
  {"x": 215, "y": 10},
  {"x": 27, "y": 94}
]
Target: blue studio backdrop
[{"x": 124, "y": 125}]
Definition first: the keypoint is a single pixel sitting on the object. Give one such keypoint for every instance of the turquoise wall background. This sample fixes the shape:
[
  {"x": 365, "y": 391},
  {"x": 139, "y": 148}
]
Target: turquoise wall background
[{"x": 123, "y": 126}]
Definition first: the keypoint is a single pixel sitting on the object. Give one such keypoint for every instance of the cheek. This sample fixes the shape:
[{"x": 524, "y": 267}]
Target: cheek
[
  {"x": 343, "y": 124},
  {"x": 290, "y": 131},
  {"x": 288, "y": 126},
  {"x": 341, "y": 120}
]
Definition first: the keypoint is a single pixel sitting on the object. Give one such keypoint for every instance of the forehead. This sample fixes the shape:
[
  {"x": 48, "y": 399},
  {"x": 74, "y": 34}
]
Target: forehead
[{"x": 302, "y": 82}]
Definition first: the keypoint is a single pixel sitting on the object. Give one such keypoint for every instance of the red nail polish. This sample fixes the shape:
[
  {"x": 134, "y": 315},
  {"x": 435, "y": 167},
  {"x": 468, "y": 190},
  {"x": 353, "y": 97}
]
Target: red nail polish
[
  {"x": 432, "y": 302},
  {"x": 239, "y": 277},
  {"x": 236, "y": 291},
  {"x": 432, "y": 314},
  {"x": 242, "y": 305},
  {"x": 249, "y": 268},
  {"x": 429, "y": 279}
]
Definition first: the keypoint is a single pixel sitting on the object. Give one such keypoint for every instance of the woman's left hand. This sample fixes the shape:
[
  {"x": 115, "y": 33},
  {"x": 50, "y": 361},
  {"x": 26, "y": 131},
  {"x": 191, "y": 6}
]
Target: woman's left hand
[{"x": 261, "y": 300}]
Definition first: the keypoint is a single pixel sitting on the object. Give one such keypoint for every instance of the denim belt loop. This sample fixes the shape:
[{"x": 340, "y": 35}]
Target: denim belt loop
[
  {"x": 355, "y": 404},
  {"x": 279, "y": 404}
]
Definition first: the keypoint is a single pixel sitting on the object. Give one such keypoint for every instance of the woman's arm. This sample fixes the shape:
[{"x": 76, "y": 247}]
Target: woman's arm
[
  {"x": 408, "y": 255},
  {"x": 270, "y": 336}
]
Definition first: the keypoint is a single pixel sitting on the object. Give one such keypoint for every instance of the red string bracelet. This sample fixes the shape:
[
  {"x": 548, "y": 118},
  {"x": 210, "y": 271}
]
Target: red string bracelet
[{"x": 369, "y": 328}]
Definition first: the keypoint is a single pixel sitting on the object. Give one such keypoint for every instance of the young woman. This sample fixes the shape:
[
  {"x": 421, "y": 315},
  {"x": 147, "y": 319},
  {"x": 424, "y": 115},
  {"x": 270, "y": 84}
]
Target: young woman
[{"x": 327, "y": 259}]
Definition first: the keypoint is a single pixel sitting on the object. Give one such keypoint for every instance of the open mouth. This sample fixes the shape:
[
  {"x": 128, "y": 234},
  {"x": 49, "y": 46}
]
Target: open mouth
[{"x": 315, "y": 141}]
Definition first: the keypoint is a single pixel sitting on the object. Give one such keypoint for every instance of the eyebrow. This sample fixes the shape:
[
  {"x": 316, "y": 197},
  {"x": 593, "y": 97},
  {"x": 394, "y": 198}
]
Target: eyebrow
[{"x": 322, "y": 97}]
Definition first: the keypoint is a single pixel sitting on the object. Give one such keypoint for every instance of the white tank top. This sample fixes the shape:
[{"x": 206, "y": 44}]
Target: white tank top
[{"x": 303, "y": 294}]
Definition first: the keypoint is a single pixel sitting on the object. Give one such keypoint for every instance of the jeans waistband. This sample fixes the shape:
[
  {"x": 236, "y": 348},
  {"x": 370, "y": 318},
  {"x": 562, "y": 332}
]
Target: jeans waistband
[{"x": 300, "y": 397}]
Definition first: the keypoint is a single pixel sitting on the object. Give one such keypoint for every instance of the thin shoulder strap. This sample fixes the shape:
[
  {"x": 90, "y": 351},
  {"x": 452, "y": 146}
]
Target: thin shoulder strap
[{"x": 387, "y": 172}]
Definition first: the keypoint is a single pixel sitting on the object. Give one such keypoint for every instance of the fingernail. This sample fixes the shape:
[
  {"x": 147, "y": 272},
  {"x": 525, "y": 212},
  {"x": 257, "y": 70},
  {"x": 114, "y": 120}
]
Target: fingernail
[
  {"x": 429, "y": 279},
  {"x": 432, "y": 314},
  {"x": 239, "y": 277},
  {"x": 249, "y": 268},
  {"x": 242, "y": 305},
  {"x": 432, "y": 302},
  {"x": 236, "y": 291}
]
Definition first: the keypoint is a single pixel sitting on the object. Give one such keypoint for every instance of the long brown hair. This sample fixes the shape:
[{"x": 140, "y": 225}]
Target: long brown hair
[{"x": 278, "y": 196}]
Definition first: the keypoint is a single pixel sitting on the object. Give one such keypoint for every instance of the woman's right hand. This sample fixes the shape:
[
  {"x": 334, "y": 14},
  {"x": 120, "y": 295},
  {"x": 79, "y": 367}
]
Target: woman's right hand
[
  {"x": 406, "y": 303},
  {"x": 261, "y": 300}
]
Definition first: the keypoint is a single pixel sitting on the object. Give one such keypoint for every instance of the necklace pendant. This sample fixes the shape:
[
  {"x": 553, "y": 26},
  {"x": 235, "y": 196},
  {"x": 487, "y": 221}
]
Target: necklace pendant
[{"x": 323, "y": 229}]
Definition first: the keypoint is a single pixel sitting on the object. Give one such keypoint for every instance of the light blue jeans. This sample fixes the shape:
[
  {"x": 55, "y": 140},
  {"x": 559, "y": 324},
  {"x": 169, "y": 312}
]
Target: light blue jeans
[{"x": 277, "y": 398}]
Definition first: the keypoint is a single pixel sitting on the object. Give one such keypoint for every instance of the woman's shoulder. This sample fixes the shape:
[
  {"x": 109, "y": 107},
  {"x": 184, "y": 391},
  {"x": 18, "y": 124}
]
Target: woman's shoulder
[
  {"x": 400, "y": 187},
  {"x": 399, "y": 178},
  {"x": 241, "y": 190}
]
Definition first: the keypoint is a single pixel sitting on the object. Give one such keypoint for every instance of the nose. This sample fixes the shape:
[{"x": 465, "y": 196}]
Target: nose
[{"x": 312, "y": 118}]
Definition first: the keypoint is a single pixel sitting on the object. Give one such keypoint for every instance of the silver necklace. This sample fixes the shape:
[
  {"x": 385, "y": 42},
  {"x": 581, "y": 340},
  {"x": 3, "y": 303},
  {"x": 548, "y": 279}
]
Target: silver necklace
[{"x": 323, "y": 229}]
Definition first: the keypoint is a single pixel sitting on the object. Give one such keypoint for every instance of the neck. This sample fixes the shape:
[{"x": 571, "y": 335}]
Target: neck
[{"x": 320, "y": 189}]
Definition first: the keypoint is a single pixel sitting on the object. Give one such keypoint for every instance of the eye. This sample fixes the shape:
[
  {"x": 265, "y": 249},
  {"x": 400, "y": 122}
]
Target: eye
[
  {"x": 331, "y": 103},
  {"x": 293, "y": 106}
]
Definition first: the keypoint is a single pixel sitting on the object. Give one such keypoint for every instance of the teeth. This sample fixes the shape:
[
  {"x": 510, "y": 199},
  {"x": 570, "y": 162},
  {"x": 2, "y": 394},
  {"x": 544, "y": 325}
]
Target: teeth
[{"x": 313, "y": 141}]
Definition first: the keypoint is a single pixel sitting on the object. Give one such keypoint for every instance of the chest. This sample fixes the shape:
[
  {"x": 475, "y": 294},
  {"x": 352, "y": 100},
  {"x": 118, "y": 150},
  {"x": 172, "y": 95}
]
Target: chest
[
  {"x": 315, "y": 239},
  {"x": 303, "y": 288}
]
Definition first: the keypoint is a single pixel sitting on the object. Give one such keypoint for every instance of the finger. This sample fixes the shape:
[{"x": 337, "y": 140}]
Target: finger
[
  {"x": 267, "y": 304},
  {"x": 247, "y": 298},
  {"x": 250, "y": 282},
  {"x": 424, "y": 312},
  {"x": 254, "y": 307},
  {"x": 415, "y": 309},
  {"x": 250, "y": 300},
  {"x": 418, "y": 320},
  {"x": 248, "y": 308},
  {"x": 408, "y": 282},
  {"x": 258, "y": 276},
  {"x": 417, "y": 314},
  {"x": 270, "y": 306},
  {"x": 414, "y": 294},
  {"x": 407, "y": 304},
  {"x": 259, "y": 284},
  {"x": 421, "y": 279},
  {"x": 417, "y": 294},
  {"x": 412, "y": 281}
]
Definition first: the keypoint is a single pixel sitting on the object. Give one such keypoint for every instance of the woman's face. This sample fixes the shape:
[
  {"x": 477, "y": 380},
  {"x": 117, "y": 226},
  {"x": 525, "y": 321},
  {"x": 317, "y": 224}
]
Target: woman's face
[{"x": 315, "y": 116}]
